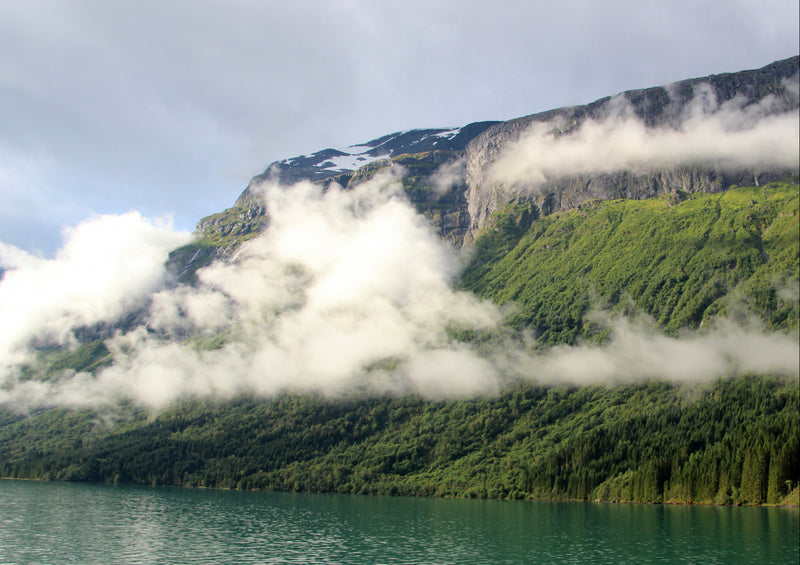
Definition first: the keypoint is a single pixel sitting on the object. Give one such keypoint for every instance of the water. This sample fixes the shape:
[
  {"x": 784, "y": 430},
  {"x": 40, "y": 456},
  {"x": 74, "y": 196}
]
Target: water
[{"x": 87, "y": 524}]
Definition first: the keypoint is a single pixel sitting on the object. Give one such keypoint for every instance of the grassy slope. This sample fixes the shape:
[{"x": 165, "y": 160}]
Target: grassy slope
[{"x": 734, "y": 253}]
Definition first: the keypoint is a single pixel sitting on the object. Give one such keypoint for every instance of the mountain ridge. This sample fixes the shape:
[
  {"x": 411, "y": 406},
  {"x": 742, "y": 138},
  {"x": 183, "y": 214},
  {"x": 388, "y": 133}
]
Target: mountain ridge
[{"x": 472, "y": 149}]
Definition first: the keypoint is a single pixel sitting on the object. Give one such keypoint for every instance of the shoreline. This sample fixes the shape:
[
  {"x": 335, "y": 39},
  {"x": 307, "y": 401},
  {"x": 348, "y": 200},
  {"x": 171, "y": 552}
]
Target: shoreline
[{"x": 783, "y": 504}]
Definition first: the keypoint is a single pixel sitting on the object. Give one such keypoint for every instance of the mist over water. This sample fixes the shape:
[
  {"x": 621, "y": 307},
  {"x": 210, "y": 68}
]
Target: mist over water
[{"x": 351, "y": 290}]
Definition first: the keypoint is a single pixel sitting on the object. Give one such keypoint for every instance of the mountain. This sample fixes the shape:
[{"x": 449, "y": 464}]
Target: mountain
[
  {"x": 468, "y": 154},
  {"x": 614, "y": 317}
]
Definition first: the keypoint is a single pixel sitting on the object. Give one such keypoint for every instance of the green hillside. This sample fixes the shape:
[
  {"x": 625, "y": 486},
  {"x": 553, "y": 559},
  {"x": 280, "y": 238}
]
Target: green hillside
[{"x": 683, "y": 260}]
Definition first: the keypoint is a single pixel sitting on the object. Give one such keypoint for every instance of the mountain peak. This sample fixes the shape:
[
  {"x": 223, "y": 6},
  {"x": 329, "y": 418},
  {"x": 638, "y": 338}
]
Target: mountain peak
[{"x": 331, "y": 162}]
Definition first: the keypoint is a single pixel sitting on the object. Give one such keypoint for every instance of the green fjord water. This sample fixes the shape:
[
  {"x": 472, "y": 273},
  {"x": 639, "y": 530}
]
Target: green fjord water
[{"x": 80, "y": 523}]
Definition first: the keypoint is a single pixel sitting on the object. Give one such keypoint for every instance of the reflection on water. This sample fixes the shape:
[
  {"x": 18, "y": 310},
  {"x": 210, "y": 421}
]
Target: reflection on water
[{"x": 75, "y": 523}]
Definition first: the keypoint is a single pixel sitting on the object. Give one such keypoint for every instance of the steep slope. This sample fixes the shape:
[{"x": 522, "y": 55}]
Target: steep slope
[
  {"x": 726, "y": 441},
  {"x": 771, "y": 90}
]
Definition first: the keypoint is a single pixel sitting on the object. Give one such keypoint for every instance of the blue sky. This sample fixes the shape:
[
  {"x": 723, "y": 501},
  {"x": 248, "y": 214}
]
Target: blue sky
[{"x": 170, "y": 107}]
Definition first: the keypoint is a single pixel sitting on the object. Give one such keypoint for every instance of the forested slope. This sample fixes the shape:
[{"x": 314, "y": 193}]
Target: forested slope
[{"x": 729, "y": 442}]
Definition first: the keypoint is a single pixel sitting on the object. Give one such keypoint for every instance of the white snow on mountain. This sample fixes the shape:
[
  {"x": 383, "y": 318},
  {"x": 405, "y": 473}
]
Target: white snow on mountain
[{"x": 350, "y": 162}]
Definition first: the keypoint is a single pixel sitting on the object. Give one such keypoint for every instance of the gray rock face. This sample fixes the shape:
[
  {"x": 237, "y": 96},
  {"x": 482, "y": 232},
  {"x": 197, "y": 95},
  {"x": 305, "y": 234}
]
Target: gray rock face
[{"x": 659, "y": 107}]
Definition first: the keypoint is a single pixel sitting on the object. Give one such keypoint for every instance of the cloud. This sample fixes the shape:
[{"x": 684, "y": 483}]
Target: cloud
[
  {"x": 636, "y": 350},
  {"x": 108, "y": 265},
  {"x": 132, "y": 95},
  {"x": 731, "y": 136},
  {"x": 449, "y": 175},
  {"x": 343, "y": 285},
  {"x": 347, "y": 290}
]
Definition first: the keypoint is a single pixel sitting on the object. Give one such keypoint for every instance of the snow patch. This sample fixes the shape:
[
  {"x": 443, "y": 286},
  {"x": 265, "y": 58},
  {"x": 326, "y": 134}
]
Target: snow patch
[
  {"x": 355, "y": 157},
  {"x": 449, "y": 134},
  {"x": 350, "y": 162}
]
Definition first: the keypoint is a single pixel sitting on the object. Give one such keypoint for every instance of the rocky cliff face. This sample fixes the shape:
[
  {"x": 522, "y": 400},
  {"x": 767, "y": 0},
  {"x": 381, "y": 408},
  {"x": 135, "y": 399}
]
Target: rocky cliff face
[
  {"x": 659, "y": 107},
  {"x": 470, "y": 153}
]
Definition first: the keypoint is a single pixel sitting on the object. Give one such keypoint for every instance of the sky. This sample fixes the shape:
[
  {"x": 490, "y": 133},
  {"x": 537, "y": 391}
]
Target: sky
[{"x": 166, "y": 109}]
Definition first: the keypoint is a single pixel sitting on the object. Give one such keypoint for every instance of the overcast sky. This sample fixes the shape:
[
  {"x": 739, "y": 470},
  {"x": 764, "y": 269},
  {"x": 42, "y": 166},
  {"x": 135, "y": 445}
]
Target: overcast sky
[{"x": 170, "y": 107}]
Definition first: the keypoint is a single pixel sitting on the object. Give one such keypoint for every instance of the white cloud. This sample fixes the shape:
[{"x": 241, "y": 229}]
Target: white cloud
[
  {"x": 176, "y": 105},
  {"x": 636, "y": 350},
  {"x": 108, "y": 265},
  {"x": 341, "y": 286},
  {"x": 731, "y": 136}
]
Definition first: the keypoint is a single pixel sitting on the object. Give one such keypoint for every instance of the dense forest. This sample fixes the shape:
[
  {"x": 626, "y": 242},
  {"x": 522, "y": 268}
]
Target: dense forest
[
  {"x": 728, "y": 442},
  {"x": 682, "y": 260}
]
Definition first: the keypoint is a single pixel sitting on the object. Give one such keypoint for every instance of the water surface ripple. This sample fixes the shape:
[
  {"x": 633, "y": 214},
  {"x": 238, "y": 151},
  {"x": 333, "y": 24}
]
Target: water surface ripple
[{"x": 55, "y": 523}]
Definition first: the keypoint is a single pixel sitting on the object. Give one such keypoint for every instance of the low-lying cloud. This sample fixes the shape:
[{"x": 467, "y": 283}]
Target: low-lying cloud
[
  {"x": 347, "y": 290},
  {"x": 730, "y": 136},
  {"x": 637, "y": 350},
  {"x": 108, "y": 265}
]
